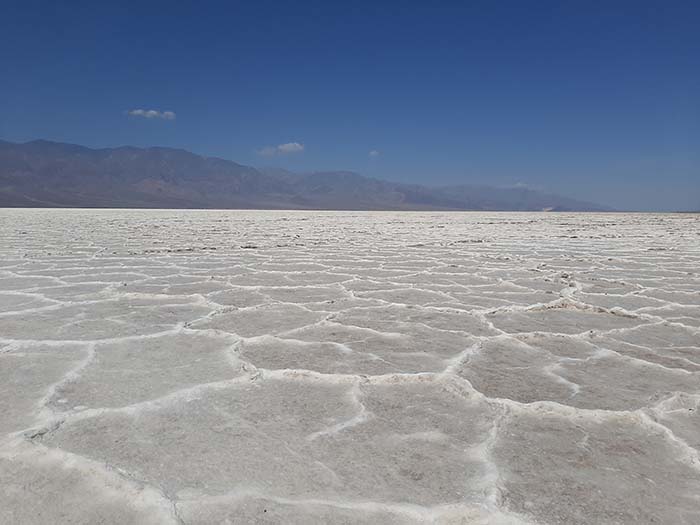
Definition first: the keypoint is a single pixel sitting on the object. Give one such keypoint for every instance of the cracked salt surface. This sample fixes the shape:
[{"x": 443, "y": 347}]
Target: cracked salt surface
[{"x": 337, "y": 367}]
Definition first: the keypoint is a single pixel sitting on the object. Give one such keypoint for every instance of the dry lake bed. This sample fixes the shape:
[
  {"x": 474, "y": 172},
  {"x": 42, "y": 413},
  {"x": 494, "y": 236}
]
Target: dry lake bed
[{"x": 201, "y": 367}]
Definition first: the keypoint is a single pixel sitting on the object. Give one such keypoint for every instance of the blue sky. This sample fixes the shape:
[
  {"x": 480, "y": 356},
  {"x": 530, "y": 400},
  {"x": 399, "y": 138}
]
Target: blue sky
[{"x": 598, "y": 100}]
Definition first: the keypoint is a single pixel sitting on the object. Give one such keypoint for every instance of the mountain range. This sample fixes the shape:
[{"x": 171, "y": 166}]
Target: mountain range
[{"x": 52, "y": 174}]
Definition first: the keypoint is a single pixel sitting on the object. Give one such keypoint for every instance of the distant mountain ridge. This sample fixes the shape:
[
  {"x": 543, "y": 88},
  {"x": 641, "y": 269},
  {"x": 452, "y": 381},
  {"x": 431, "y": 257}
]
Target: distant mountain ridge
[{"x": 52, "y": 174}]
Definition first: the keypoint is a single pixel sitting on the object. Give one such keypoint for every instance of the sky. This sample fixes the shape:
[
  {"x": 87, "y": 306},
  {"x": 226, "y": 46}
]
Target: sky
[{"x": 597, "y": 100}]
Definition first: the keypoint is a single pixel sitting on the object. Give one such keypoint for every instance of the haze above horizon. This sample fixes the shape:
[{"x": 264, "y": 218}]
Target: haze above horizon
[{"x": 599, "y": 102}]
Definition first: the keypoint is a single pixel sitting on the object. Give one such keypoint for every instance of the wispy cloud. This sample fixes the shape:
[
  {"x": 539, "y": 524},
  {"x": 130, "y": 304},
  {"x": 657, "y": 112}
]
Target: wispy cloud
[
  {"x": 374, "y": 153},
  {"x": 281, "y": 149},
  {"x": 152, "y": 113}
]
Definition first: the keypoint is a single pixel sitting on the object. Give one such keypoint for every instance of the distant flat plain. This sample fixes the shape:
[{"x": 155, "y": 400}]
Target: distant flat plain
[{"x": 162, "y": 366}]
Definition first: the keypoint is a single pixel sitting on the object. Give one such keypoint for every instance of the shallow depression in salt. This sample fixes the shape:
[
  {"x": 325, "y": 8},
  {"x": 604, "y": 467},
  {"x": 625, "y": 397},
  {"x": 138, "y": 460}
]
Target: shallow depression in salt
[{"x": 349, "y": 367}]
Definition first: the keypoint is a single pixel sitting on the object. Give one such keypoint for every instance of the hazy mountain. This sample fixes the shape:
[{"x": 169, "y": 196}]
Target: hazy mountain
[{"x": 43, "y": 173}]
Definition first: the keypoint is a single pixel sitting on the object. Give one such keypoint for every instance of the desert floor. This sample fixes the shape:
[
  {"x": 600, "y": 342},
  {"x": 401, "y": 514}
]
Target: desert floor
[{"x": 205, "y": 367}]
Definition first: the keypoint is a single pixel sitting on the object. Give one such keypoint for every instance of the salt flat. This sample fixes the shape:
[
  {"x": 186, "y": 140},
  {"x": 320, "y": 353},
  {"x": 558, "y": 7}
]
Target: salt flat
[{"x": 345, "y": 367}]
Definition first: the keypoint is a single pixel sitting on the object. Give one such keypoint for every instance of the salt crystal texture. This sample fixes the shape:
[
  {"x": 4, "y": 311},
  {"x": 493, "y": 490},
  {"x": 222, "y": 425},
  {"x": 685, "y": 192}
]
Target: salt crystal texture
[{"x": 195, "y": 367}]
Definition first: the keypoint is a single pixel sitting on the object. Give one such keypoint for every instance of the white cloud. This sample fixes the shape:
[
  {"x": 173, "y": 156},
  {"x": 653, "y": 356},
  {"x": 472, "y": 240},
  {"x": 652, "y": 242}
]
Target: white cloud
[
  {"x": 290, "y": 147},
  {"x": 152, "y": 113},
  {"x": 374, "y": 153},
  {"x": 281, "y": 149}
]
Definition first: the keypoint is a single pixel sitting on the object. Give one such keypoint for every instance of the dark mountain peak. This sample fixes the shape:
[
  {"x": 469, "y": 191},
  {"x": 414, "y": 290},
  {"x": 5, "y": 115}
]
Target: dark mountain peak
[
  {"x": 54, "y": 147},
  {"x": 342, "y": 175},
  {"x": 46, "y": 173},
  {"x": 44, "y": 142}
]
